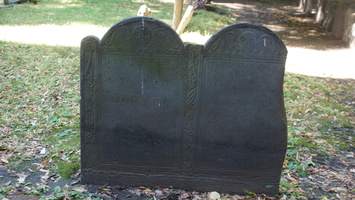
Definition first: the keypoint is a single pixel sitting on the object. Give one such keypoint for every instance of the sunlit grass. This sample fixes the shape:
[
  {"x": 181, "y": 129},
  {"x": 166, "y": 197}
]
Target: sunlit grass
[
  {"x": 63, "y": 12},
  {"x": 105, "y": 14},
  {"x": 208, "y": 23}
]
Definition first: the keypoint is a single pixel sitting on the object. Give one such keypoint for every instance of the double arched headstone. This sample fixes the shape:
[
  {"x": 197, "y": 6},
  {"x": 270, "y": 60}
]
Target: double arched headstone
[{"x": 158, "y": 112}]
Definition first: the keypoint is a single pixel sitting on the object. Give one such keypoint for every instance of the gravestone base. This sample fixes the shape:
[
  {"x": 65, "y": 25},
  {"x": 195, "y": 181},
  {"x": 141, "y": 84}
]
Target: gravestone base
[
  {"x": 157, "y": 112},
  {"x": 241, "y": 185}
]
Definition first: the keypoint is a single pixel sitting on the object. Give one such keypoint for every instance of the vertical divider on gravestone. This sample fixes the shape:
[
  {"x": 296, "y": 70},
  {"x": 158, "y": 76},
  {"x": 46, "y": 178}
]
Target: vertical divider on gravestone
[
  {"x": 88, "y": 64},
  {"x": 191, "y": 113}
]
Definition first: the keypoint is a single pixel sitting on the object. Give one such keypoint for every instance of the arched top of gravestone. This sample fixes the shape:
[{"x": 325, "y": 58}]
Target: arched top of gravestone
[
  {"x": 143, "y": 35},
  {"x": 245, "y": 40}
]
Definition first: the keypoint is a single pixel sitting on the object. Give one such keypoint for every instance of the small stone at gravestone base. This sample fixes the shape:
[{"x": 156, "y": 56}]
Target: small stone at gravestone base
[
  {"x": 214, "y": 196},
  {"x": 156, "y": 111},
  {"x": 159, "y": 193}
]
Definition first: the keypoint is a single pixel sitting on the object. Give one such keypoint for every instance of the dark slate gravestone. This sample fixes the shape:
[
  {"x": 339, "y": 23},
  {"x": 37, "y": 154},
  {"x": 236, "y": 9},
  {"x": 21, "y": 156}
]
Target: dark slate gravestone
[{"x": 156, "y": 112}]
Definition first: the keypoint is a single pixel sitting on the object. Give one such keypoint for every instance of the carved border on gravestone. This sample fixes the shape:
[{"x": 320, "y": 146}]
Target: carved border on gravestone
[
  {"x": 238, "y": 39},
  {"x": 140, "y": 37},
  {"x": 87, "y": 65},
  {"x": 194, "y": 56}
]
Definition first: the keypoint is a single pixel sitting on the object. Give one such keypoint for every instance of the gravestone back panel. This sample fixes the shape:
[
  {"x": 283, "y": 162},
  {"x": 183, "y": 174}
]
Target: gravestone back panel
[
  {"x": 156, "y": 112},
  {"x": 137, "y": 90},
  {"x": 242, "y": 123}
]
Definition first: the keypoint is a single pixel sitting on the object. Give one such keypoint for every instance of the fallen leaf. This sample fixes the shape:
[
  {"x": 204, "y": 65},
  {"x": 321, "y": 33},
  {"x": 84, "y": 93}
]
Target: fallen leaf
[
  {"x": 185, "y": 195},
  {"x": 66, "y": 192},
  {"x": 214, "y": 196},
  {"x": 44, "y": 163},
  {"x": 22, "y": 178},
  {"x": 45, "y": 177},
  {"x": 7, "y": 183},
  {"x": 158, "y": 193},
  {"x": 27, "y": 188},
  {"x": 146, "y": 191},
  {"x": 43, "y": 151},
  {"x": 4, "y": 160},
  {"x": 2, "y": 148},
  {"x": 337, "y": 190}
]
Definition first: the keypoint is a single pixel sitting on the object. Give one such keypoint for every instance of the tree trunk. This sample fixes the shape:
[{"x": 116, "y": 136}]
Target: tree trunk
[
  {"x": 301, "y": 3},
  {"x": 185, "y": 20},
  {"x": 308, "y": 8},
  {"x": 339, "y": 19},
  {"x": 320, "y": 11},
  {"x": 177, "y": 13},
  {"x": 6, "y": 2}
]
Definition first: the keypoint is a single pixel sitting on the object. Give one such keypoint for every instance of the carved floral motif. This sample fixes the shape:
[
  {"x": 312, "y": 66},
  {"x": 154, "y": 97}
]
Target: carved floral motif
[
  {"x": 135, "y": 35},
  {"x": 243, "y": 41},
  {"x": 87, "y": 106},
  {"x": 190, "y": 118}
]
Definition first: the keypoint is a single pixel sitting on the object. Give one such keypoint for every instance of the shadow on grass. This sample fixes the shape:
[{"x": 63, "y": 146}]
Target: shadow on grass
[
  {"x": 285, "y": 19},
  {"x": 282, "y": 17}
]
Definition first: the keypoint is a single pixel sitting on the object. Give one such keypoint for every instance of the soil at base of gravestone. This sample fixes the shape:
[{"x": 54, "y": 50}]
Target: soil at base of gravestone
[{"x": 328, "y": 177}]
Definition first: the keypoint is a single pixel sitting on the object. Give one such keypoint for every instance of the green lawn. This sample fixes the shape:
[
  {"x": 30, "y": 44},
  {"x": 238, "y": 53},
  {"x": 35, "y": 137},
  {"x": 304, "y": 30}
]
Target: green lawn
[{"x": 103, "y": 13}]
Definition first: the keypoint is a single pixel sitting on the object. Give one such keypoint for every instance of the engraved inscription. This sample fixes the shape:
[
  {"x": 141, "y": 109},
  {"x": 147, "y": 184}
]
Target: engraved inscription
[
  {"x": 238, "y": 100},
  {"x": 150, "y": 87},
  {"x": 141, "y": 101}
]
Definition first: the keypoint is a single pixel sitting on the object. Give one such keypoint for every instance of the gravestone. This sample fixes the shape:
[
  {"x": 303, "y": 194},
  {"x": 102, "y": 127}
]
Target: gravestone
[{"x": 157, "y": 112}]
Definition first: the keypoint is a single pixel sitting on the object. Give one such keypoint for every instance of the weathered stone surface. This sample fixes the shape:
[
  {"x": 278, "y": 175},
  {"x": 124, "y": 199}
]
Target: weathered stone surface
[{"x": 156, "y": 112}]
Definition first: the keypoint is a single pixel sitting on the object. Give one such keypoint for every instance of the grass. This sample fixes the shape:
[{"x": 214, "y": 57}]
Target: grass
[
  {"x": 67, "y": 170},
  {"x": 64, "y": 12},
  {"x": 39, "y": 98},
  {"x": 208, "y": 23},
  {"x": 103, "y": 13}
]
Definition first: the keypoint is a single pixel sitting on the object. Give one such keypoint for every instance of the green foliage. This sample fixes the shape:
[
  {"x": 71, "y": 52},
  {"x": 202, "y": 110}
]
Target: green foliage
[
  {"x": 66, "y": 170},
  {"x": 4, "y": 190},
  {"x": 68, "y": 193},
  {"x": 291, "y": 189}
]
